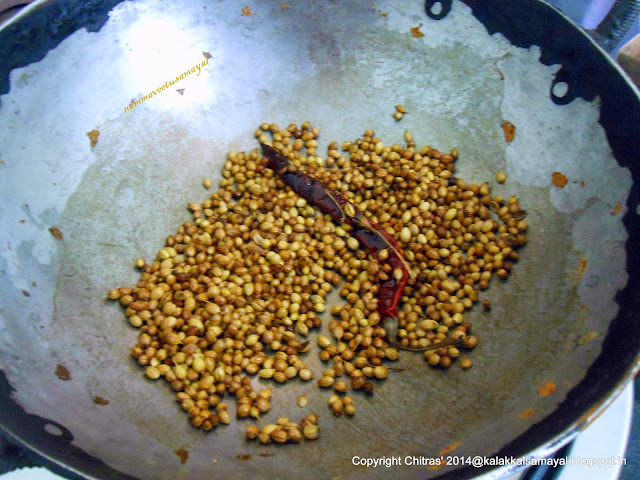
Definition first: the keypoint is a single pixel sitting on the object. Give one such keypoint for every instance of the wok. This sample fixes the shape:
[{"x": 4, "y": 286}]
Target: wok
[{"x": 569, "y": 314}]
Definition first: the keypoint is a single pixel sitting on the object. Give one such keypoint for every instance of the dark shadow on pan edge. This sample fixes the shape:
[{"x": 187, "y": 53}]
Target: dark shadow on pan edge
[
  {"x": 29, "y": 40},
  {"x": 30, "y": 429}
]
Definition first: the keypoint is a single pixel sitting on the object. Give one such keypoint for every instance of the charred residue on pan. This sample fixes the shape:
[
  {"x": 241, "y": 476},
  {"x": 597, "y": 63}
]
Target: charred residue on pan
[
  {"x": 98, "y": 400},
  {"x": 62, "y": 372},
  {"x": 182, "y": 454},
  {"x": 56, "y": 233}
]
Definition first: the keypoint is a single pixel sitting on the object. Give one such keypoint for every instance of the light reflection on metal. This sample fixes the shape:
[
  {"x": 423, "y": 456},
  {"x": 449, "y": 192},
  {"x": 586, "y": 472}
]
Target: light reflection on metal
[{"x": 162, "y": 52}]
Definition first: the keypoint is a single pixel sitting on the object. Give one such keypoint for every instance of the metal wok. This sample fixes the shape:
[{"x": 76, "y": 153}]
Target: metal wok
[{"x": 569, "y": 314}]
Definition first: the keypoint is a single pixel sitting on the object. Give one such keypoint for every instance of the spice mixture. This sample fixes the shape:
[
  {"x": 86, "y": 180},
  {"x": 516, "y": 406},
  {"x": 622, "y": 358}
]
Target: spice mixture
[{"x": 237, "y": 291}]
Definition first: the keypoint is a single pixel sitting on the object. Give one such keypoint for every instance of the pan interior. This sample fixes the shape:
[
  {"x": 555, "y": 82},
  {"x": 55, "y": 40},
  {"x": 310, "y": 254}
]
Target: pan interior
[{"x": 343, "y": 67}]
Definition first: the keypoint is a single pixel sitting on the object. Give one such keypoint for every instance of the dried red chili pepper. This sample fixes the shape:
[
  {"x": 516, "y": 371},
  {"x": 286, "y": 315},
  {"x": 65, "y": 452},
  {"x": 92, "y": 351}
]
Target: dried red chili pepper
[{"x": 374, "y": 238}]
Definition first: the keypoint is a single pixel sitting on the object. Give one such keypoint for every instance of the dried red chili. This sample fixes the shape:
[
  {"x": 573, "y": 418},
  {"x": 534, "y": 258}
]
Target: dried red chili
[{"x": 374, "y": 238}]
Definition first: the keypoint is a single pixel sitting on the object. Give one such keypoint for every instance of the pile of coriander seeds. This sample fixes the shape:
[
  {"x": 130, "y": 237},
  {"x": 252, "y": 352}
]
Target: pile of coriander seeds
[{"x": 237, "y": 291}]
